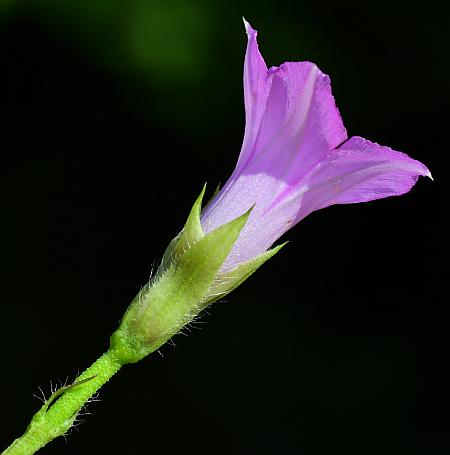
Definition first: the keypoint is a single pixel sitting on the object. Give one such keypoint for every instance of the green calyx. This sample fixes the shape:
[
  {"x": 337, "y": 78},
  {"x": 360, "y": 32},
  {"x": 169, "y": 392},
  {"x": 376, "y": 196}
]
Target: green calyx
[
  {"x": 187, "y": 281},
  {"x": 229, "y": 281},
  {"x": 191, "y": 234}
]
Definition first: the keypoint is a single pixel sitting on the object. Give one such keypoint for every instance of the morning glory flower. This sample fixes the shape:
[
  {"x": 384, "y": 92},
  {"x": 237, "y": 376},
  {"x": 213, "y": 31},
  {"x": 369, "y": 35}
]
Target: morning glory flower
[{"x": 296, "y": 157}]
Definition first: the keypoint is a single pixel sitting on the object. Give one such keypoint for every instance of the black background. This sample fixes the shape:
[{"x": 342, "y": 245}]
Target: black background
[{"x": 337, "y": 345}]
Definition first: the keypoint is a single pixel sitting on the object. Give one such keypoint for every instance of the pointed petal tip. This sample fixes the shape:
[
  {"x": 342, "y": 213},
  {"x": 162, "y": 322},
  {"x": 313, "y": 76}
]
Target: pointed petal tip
[
  {"x": 248, "y": 28},
  {"x": 413, "y": 165},
  {"x": 422, "y": 170}
]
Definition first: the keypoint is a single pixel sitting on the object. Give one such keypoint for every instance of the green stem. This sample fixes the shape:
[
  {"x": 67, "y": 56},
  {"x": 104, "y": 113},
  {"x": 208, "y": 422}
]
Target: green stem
[{"x": 55, "y": 418}]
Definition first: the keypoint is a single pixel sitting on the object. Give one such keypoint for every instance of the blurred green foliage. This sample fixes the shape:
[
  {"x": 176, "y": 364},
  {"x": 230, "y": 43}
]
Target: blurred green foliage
[
  {"x": 176, "y": 53},
  {"x": 5, "y": 7},
  {"x": 165, "y": 41},
  {"x": 162, "y": 47}
]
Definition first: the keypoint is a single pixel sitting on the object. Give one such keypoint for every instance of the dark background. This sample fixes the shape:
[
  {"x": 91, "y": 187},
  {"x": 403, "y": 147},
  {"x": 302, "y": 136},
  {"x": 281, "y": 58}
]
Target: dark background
[{"x": 113, "y": 115}]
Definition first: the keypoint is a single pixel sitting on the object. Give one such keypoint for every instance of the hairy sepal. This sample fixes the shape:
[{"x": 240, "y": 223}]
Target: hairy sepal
[
  {"x": 191, "y": 233},
  {"x": 226, "y": 282},
  {"x": 179, "y": 292}
]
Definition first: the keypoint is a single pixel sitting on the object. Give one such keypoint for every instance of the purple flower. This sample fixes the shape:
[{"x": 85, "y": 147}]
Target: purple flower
[{"x": 296, "y": 157}]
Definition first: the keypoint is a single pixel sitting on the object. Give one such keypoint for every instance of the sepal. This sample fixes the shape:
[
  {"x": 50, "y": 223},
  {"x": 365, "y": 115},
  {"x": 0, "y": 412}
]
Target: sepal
[
  {"x": 178, "y": 293},
  {"x": 191, "y": 233},
  {"x": 228, "y": 281}
]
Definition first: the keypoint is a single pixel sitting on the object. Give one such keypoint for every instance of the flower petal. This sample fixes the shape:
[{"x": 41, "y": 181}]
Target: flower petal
[
  {"x": 291, "y": 162},
  {"x": 300, "y": 125},
  {"x": 292, "y": 123},
  {"x": 256, "y": 89},
  {"x": 240, "y": 193},
  {"x": 359, "y": 171},
  {"x": 291, "y": 115}
]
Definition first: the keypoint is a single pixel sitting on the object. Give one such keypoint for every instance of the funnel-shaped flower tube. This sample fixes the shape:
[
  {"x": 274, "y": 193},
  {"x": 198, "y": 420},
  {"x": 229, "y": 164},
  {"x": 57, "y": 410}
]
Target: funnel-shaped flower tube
[{"x": 296, "y": 157}]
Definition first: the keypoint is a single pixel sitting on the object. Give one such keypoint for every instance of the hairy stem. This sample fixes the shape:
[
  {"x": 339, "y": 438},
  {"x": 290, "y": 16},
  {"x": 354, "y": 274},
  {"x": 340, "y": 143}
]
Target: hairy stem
[{"x": 55, "y": 418}]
